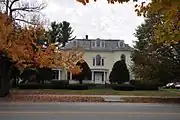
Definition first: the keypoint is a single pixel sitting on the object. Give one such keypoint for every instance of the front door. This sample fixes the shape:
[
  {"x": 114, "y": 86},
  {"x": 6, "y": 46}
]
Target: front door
[{"x": 99, "y": 77}]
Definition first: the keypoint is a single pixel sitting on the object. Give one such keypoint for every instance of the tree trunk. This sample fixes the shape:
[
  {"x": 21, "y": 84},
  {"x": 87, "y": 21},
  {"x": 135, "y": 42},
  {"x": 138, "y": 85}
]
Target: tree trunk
[
  {"x": 7, "y": 7},
  {"x": 80, "y": 81},
  {"x": 4, "y": 77}
]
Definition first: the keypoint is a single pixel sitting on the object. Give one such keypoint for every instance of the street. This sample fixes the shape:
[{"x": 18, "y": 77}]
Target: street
[{"x": 88, "y": 111}]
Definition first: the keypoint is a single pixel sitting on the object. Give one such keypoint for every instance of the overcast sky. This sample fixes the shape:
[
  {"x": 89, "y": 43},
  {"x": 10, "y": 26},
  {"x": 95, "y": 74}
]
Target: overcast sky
[{"x": 98, "y": 20}]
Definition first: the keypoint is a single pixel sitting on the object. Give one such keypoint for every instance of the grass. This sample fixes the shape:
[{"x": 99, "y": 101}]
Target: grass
[
  {"x": 101, "y": 92},
  {"x": 171, "y": 90}
]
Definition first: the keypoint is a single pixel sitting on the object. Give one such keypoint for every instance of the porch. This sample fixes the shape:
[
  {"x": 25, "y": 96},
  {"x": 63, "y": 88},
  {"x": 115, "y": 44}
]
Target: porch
[{"x": 99, "y": 76}]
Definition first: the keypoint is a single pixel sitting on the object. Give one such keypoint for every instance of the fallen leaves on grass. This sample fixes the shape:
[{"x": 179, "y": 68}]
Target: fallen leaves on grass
[
  {"x": 52, "y": 98},
  {"x": 151, "y": 100}
]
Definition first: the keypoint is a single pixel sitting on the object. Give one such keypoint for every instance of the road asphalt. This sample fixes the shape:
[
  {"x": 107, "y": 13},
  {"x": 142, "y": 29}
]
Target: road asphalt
[{"x": 88, "y": 111}]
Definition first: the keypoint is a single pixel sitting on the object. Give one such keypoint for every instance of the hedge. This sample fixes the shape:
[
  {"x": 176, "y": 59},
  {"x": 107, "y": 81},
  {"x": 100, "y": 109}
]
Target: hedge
[
  {"x": 59, "y": 82},
  {"x": 77, "y": 87},
  {"x": 123, "y": 87},
  {"x": 140, "y": 85},
  {"x": 41, "y": 86},
  {"x": 146, "y": 87}
]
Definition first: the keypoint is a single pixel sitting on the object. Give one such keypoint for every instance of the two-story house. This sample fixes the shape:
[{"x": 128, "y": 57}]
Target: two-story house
[{"x": 100, "y": 55}]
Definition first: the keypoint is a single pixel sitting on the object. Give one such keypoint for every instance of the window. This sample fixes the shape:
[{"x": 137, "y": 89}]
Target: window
[
  {"x": 93, "y": 44},
  {"x": 94, "y": 61},
  {"x": 98, "y": 60},
  {"x": 121, "y": 44},
  {"x": 98, "y": 42},
  {"x": 102, "y": 61},
  {"x": 74, "y": 43},
  {"x": 68, "y": 75},
  {"x": 103, "y": 44},
  {"x": 123, "y": 57},
  {"x": 55, "y": 74}
]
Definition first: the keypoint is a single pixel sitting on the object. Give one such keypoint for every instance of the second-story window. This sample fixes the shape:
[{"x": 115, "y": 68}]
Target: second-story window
[
  {"x": 102, "y": 61},
  {"x": 98, "y": 61},
  {"x": 74, "y": 43},
  {"x": 121, "y": 44},
  {"x": 102, "y": 44},
  {"x": 98, "y": 42},
  {"x": 94, "y": 61},
  {"x": 93, "y": 43},
  {"x": 123, "y": 57}
]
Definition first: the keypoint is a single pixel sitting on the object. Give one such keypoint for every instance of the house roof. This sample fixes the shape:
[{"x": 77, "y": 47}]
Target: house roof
[{"x": 98, "y": 45}]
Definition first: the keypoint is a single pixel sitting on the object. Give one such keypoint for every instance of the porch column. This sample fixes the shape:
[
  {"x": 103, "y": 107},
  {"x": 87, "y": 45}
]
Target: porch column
[
  {"x": 93, "y": 76},
  {"x": 70, "y": 76},
  {"x": 59, "y": 74},
  {"x": 104, "y": 76}
]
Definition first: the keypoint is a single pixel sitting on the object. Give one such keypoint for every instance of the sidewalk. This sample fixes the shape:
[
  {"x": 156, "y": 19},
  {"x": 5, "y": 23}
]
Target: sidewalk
[{"x": 93, "y": 98}]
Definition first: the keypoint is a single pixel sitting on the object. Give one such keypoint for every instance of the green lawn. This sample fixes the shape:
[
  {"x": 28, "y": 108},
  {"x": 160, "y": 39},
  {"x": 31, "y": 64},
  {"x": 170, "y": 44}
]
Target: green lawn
[{"x": 101, "y": 92}]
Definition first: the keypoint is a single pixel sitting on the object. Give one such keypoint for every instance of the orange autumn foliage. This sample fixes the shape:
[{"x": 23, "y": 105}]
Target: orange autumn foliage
[{"x": 21, "y": 46}]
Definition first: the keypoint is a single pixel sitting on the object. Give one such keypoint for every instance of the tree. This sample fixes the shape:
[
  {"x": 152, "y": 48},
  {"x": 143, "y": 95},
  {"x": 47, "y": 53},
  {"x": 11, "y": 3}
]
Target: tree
[
  {"x": 166, "y": 32},
  {"x": 44, "y": 74},
  {"x": 19, "y": 10},
  {"x": 119, "y": 73},
  {"x": 66, "y": 32},
  {"x": 14, "y": 75},
  {"x": 85, "y": 73},
  {"x": 60, "y": 32},
  {"x": 154, "y": 63},
  {"x": 20, "y": 46},
  {"x": 53, "y": 34}
]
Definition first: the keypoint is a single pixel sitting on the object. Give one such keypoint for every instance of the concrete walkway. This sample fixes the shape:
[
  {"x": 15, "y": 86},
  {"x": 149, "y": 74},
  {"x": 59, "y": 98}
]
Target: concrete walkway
[{"x": 109, "y": 98}]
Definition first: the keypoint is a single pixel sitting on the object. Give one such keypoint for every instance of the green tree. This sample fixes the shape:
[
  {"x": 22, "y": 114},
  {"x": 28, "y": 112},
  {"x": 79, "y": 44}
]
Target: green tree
[
  {"x": 85, "y": 74},
  {"x": 53, "y": 34},
  {"x": 154, "y": 62},
  {"x": 119, "y": 73},
  {"x": 60, "y": 32},
  {"x": 66, "y": 33}
]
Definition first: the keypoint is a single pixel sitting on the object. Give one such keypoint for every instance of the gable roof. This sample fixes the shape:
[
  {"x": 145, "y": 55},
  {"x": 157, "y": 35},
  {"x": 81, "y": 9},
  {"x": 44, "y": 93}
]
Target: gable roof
[{"x": 98, "y": 45}]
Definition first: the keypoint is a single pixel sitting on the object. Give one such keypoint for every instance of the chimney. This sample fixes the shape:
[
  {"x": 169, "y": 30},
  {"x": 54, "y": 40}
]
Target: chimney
[{"x": 86, "y": 37}]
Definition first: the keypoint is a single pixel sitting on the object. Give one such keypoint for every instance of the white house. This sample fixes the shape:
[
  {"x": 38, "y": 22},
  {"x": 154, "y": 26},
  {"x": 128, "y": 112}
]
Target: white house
[{"x": 100, "y": 55}]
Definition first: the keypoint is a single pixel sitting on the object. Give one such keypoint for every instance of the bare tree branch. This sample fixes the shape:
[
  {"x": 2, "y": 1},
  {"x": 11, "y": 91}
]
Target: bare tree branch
[
  {"x": 28, "y": 9},
  {"x": 10, "y": 7},
  {"x": 21, "y": 11},
  {"x": 25, "y": 21},
  {"x": 7, "y": 5}
]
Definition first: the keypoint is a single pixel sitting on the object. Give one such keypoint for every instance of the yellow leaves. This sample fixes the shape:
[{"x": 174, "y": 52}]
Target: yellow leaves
[
  {"x": 167, "y": 31},
  {"x": 84, "y": 2},
  {"x": 61, "y": 58},
  {"x": 5, "y": 31},
  {"x": 21, "y": 45}
]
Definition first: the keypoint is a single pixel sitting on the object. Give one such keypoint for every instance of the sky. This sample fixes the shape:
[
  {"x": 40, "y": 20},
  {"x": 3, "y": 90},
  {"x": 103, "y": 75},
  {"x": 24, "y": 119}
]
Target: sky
[{"x": 96, "y": 19}]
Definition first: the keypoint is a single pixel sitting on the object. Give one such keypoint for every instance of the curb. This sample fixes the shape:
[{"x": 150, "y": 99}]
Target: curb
[{"x": 91, "y": 98}]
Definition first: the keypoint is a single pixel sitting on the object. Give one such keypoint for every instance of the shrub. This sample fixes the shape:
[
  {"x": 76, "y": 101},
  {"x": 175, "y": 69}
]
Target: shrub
[
  {"x": 143, "y": 86},
  {"x": 77, "y": 87},
  {"x": 132, "y": 82},
  {"x": 85, "y": 74},
  {"x": 32, "y": 86},
  {"x": 44, "y": 74},
  {"x": 59, "y": 82},
  {"x": 124, "y": 87},
  {"x": 119, "y": 73},
  {"x": 41, "y": 86},
  {"x": 98, "y": 86}
]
